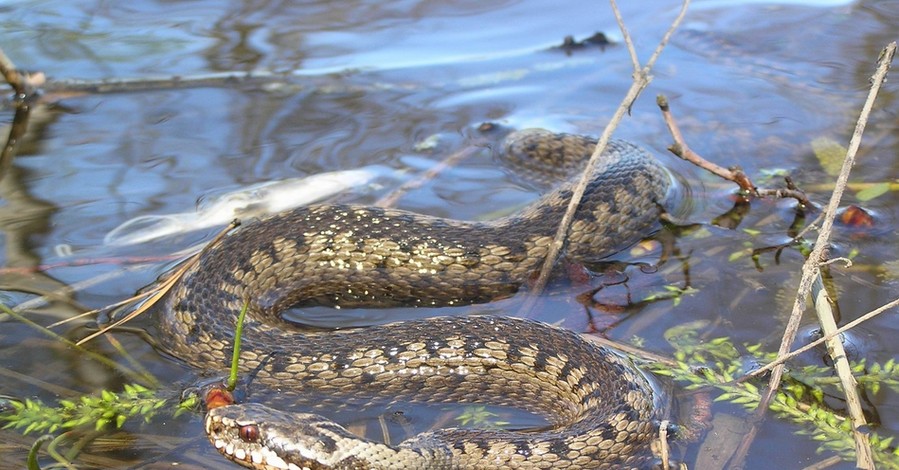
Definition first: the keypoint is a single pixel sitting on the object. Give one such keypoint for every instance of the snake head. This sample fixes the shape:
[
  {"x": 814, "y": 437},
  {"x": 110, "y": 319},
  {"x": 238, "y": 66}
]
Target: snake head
[{"x": 263, "y": 438}]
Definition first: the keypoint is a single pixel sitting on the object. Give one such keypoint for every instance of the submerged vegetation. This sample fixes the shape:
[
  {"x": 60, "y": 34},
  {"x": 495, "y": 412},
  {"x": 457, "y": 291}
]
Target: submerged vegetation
[
  {"x": 712, "y": 365},
  {"x": 717, "y": 364},
  {"x": 99, "y": 412}
]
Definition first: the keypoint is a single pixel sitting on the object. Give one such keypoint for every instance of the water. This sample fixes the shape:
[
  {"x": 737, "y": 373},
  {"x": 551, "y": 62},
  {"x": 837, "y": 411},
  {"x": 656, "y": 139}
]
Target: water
[{"x": 752, "y": 83}]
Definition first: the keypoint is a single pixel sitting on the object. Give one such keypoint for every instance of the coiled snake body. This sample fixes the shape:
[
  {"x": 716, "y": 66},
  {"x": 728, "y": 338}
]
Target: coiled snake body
[{"x": 603, "y": 410}]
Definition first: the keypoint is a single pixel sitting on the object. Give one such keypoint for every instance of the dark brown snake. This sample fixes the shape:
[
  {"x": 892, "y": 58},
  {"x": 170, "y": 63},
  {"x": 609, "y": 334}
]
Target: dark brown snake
[{"x": 603, "y": 411}]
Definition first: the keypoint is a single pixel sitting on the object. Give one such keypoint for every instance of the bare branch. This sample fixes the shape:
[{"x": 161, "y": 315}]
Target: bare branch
[
  {"x": 641, "y": 80},
  {"x": 735, "y": 174},
  {"x": 11, "y": 75},
  {"x": 810, "y": 269},
  {"x": 786, "y": 357}
]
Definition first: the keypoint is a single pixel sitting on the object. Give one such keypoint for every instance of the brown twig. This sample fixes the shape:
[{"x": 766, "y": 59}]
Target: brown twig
[
  {"x": 735, "y": 174},
  {"x": 12, "y": 76},
  {"x": 16, "y": 131},
  {"x": 23, "y": 84},
  {"x": 682, "y": 150},
  {"x": 826, "y": 463},
  {"x": 783, "y": 193}
]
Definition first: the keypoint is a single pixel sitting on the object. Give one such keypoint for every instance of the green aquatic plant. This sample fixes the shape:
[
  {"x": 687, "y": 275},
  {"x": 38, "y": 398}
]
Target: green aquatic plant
[
  {"x": 97, "y": 411},
  {"x": 699, "y": 363},
  {"x": 234, "y": 372},
  {"x": 673, "y": 292},
  {"x": 717, "y": 364},
  {"x": 88, "y": 414},
  {"x": 479, "y": 416}
]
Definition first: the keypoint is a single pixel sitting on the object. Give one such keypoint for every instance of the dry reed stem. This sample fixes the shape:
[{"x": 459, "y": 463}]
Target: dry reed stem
[
  {"x": 865, "y": 457},
  {"x": 641, "y": 80},
  {"x": 826, "y": 463},
  {"x": 664, "y": 448},
  {"x": 811, "y": 269},
  {"x": 786, "y": 357},
  {"x": 160, "y": 290}
]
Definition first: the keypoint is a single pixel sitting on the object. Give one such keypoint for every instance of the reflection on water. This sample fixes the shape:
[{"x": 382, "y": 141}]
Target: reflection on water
[
  {"x": 752, "y": 84},
  {"x": 258, "y": 200}
]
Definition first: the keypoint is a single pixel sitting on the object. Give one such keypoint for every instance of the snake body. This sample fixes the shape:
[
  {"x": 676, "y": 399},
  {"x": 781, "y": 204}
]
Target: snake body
[{"x": 603, "y": 410}]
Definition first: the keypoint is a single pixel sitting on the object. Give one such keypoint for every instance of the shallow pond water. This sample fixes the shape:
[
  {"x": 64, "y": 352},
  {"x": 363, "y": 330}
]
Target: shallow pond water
[{"x": 402, "y": 85}]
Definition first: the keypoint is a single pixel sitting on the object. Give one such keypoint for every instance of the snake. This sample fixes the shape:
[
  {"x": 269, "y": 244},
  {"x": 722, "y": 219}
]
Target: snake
[{"x": 603, "y": 411}]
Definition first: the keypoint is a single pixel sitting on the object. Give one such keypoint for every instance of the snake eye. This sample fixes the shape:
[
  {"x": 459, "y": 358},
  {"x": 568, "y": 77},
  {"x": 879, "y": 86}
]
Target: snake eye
[{"x": 248, "y": 433}]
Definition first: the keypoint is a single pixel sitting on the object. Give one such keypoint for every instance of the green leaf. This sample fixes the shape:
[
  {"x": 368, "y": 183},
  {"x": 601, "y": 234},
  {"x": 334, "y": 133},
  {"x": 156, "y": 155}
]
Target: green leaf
[
  {"x": 818, "y": 394},
  {"x": 744, "y": 400},
  {"x": 873, "y": 191},
  {"x": 727, "y": 396},
  {"x": 830, "y": 154},
  {"x": 31, "y": 427},
  {"x": 69, "y": 424},
  {"x": 31, "y": 463},
  {"x": 235, "y": 354}
]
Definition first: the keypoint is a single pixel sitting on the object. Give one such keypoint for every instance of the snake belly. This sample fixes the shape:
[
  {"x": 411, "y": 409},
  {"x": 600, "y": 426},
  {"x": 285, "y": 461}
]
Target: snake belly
[{"x": 604, "y": 412}]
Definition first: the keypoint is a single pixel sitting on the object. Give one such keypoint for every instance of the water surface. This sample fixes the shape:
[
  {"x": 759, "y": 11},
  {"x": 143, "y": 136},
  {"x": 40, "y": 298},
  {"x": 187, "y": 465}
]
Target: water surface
[{"x": 753, "y": 84}]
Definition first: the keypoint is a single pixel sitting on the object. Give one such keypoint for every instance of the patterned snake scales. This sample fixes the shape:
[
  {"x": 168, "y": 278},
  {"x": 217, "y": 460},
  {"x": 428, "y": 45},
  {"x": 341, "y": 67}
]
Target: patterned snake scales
[{"x": 603, "y": 411}]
